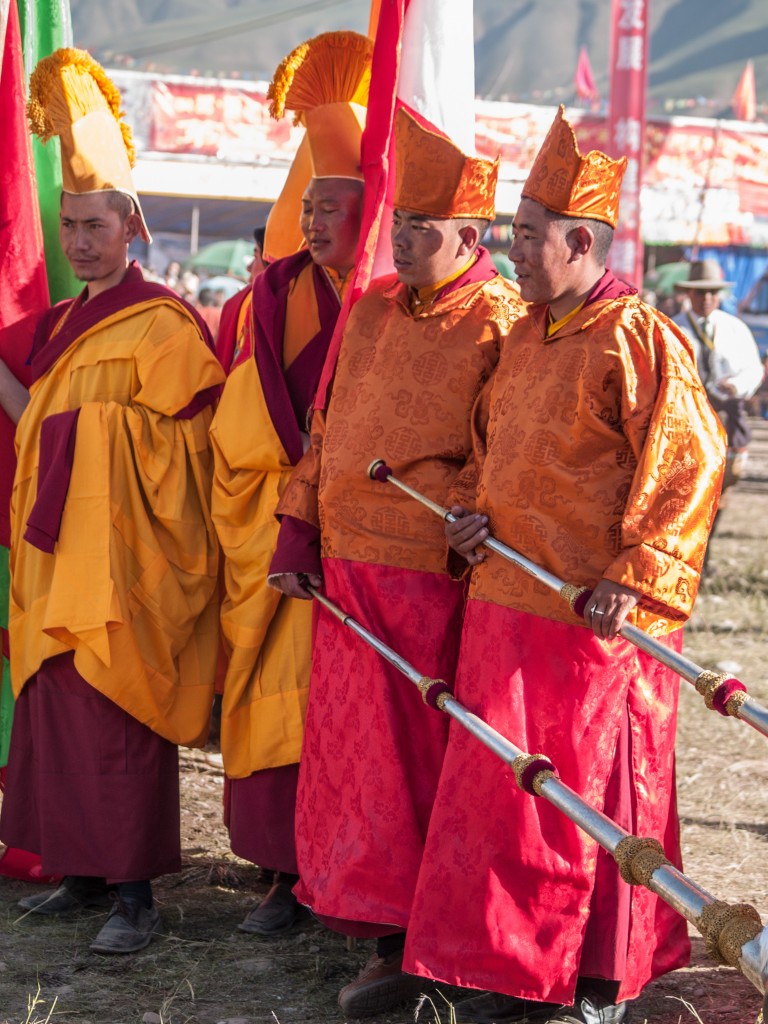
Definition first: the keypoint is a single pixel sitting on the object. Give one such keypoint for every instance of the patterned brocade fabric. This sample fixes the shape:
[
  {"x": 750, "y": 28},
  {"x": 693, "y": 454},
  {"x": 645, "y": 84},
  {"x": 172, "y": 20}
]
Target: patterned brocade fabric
[
  {"x": 604, "y": 459},
  {"x": 571, "y": 184},
  {"x": 403, "y": 392},
  {"x": 459, "y": 185}
]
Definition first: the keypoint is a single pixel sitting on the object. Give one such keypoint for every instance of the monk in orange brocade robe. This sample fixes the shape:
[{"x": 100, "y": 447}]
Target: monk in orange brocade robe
[
  {"x": 416, "y": 351},
  {"x": 597, "y": 456}
]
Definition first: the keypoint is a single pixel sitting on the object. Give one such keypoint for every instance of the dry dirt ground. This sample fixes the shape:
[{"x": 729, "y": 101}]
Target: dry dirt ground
[{"x": 203, "y": 971}]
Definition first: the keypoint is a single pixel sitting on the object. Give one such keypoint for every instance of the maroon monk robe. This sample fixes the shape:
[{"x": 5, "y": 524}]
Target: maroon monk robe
[{"x": 120, "y": 820}]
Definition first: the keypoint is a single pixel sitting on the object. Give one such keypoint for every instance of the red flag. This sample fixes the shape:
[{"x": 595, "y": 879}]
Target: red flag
[
  {"x": 744, "y": 101},
  {"x": 23, "y": 282},
  {"x": 23, "y": 297},
  {"x": 423, "y": 57},
  {"x": 626, "y": 127},
  {"x": 584, "y": 79}
]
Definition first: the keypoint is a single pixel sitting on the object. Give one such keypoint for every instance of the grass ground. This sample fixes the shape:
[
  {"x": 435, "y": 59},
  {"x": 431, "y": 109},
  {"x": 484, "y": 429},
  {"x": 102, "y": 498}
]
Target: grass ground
[{"x": 203, "y": 971}]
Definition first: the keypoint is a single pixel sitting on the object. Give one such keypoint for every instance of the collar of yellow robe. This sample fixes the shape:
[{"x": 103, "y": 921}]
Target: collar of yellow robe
[
  {"x": 420, "y": 299},
  {"x": 555, "y": 325}
]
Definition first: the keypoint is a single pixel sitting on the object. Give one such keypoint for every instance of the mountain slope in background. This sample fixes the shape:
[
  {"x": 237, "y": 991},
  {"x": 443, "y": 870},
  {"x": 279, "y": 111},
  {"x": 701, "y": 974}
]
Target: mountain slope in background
[{"x": 525, "y": 49}]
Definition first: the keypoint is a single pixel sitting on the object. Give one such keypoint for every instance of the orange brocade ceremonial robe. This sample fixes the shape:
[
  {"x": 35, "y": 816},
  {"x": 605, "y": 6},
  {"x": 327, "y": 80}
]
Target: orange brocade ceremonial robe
[
  {"x": 603, "y": 459},
  {"x": 130, "y": 584},
  {"x": 403, "y": 390},
  {"x": 597, "y": 455}
]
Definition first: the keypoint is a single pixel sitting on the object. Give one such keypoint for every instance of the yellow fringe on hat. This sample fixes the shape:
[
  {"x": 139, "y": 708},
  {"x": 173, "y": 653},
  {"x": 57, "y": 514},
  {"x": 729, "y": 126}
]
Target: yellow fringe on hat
[
  {"x": 65, "y": 87},
  {"x": 334, "y": 67}
]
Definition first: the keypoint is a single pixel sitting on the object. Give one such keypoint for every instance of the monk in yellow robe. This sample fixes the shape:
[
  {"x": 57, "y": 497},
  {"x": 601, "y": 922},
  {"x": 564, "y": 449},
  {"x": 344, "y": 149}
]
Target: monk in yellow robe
[
  {"x": 416, "y": 350},
  {"x": 259, "y": 433},
  {"x": 113, "y": 615},
  {"x": 598, "y": 457}
]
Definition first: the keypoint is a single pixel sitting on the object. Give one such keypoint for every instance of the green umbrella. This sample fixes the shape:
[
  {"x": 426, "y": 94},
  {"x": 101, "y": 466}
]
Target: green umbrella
[
  {"x": 223, "y": 258},
  {"x": 665, "y": 276}
]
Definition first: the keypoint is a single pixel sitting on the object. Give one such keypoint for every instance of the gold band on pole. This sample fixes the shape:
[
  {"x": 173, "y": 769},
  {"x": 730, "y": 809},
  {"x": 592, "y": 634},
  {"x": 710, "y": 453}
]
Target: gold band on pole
[
  {"x": 637, "y": 859},
  {"x": 570, "y": 593},
  {"x": 726, "y": 927}
]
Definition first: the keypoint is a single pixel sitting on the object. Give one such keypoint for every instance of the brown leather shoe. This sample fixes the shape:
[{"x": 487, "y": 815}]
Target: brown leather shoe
[
  {"x": 380, "y": 986},
  {"x": 277, "y": 912}
]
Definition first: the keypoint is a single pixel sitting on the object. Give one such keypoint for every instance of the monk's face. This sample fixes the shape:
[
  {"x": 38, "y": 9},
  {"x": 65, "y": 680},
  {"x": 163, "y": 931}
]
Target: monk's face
[
  {"x": 331, "y": 209},
  {"x": 426, "y": 250},
  {"x": 540, "y": 253},
  {"x": 95, "y": 237}
]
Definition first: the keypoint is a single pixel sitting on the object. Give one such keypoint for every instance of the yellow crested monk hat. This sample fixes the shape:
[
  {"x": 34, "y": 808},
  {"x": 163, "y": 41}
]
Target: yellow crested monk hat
[
  {"x": 325, "y": 83},
  {"x": 433, "y": 177},
  {"x": 571, "y": 184},
  {"x": 72, "y": 97}
]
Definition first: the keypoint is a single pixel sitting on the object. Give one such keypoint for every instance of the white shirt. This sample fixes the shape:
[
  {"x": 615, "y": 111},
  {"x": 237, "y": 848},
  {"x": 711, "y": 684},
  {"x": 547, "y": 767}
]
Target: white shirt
[{"x": 735, "y": 358}]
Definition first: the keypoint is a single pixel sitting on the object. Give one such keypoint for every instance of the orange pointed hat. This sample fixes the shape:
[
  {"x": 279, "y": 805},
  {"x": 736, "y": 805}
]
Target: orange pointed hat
[
  {"x": 71, "y": 96},
  {"x": 433, "y": 177},
  {"x": 571, "y": 184},
  {"x": 325, "y": 82}
]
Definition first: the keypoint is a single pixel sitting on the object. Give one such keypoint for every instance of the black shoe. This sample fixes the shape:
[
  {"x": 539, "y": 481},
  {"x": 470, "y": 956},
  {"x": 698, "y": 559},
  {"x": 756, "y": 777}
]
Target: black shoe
[
  {"x": 277, "y": 912},
  {"x": 495, "y": 1008},
  {"x": 592, "y": 1008},
  {"x": 130, "y": 927},
  {"x": 74, "y": 895}
]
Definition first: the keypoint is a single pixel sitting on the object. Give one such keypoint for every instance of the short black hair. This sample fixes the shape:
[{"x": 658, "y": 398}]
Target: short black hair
[
  {"x": 121, "y": 203},
  {"x": 602, "y": 232},
  {"x": 479, "y": 224}
]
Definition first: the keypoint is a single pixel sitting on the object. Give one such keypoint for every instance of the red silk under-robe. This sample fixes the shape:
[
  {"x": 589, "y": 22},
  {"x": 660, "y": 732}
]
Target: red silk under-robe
[
  {"x": 372, "y": 750},
  {"x": 510, "y": 867}
]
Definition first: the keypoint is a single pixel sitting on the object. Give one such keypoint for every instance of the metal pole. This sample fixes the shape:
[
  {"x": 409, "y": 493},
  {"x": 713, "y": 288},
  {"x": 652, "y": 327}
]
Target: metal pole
[
  {"x": 736, "y": 703},
  {"x": 670, "y": 884},
  {"x": 194, "y": 231}
]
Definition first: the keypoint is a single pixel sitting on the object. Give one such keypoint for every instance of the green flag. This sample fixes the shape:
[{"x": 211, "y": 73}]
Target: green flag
[
  {"x": 46, "y": 25},
  {"x": 6, "y": 695}
]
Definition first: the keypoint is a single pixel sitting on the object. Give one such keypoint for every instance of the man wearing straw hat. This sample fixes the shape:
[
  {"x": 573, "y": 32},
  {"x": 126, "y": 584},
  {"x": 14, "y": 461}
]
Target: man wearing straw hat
[
  {"x": 258, "y": 434},
  {"x": 416, "y": 350},
  {"x": 598, "y": 457},
  {"x": 727, "y": 359},
  {"x": 113, "y": 617}
]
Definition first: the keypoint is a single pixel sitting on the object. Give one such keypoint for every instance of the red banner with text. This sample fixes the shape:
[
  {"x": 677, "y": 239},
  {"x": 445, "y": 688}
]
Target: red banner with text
[{"x": 626, "y": 128}]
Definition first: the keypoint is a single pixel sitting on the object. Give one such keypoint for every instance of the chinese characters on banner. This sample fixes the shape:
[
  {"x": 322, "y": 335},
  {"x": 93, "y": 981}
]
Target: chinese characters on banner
[
  {"x": 225, "y": 123},
  {"x": 626, "y": 126}
]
